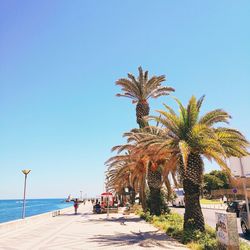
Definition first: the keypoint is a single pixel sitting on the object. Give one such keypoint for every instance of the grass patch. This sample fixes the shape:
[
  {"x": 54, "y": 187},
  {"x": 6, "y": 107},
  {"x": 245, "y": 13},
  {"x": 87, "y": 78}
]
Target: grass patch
[
  {"x": 206, "y": 201},
  {"x": 244, "y": 246},
  {"x": 172, "y": 224}
]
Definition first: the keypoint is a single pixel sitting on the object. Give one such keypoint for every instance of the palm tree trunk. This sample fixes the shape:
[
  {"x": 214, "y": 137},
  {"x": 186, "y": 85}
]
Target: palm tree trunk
[
  {"x": 142, "y": 109},
  {"x": 143, "y": 196},
  {"x": 132, "y": 195},
  {"x": 154, "y": 177},
  {"x": 155, "y": 201},
  {"x": 143, "y": 201},
  {"x": 193, "y": 217},
  {"x": 154, "y": 184},
  {"x": 192, "y": 180}
]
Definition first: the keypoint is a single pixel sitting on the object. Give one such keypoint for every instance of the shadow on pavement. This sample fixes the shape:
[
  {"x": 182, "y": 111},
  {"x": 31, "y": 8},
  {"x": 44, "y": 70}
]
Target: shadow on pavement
[
  {"x": 73, "y": 214},
  {"x": 68, "y": 214},
  {"x": 142, "y": 239},
  {"x": 122, "y": 219},
  {"x": 244, "y": 237}
]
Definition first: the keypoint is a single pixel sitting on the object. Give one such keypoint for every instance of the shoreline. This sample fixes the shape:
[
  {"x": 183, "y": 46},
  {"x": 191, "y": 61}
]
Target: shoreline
[
  {"x": 11, "y": 209},
  {"x": 15, "y": 224},
  {"x": 21, "y": 199}
]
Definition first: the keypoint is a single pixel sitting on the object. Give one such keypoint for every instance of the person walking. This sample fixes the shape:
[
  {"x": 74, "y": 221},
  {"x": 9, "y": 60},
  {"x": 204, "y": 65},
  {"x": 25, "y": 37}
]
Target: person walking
[{"x": 76, "y": 205}]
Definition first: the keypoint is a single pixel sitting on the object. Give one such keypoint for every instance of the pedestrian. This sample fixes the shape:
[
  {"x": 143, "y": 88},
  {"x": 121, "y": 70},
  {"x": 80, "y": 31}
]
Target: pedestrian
[
  {"x": 76, "y": 205},
  {"x": 224, "y": 199}
]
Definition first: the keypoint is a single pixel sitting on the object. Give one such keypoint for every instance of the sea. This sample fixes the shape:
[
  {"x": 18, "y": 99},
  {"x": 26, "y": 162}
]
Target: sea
[{"x": 12, "y": 209}]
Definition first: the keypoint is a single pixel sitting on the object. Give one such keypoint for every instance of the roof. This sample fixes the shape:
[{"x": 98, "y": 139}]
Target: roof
[{"x": 107, "y": 193}]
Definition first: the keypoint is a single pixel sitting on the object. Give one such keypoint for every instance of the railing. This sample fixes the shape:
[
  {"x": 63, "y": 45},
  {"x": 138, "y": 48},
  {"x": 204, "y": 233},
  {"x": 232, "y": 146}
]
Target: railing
[
  {"x": 56, "y": 213},
  {"x": 214, "y": 206}
]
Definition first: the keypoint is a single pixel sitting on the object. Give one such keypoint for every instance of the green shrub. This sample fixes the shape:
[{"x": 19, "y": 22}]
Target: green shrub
[
  {"x": 139, "y": 211},
  {"x": 244, "y": 246},
  {"x": 205, "y": 240},
  {"x": 172, "y": 224},
  {"x": 146, "y": 216}
]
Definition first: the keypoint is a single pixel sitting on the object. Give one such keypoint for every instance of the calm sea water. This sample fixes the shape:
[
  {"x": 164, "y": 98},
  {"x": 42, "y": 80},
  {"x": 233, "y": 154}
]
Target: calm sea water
[{"x": 12, "y": 209}]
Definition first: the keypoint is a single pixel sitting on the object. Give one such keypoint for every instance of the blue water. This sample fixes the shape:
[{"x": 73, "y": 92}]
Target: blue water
[{"x": 12, "y": 209}]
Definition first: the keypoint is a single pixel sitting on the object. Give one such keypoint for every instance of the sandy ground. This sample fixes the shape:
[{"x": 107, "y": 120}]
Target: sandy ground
[{"x": 87, "y": 231}]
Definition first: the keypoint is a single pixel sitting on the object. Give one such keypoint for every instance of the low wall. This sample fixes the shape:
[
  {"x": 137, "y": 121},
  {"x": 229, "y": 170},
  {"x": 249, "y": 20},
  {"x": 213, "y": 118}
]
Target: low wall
[
  {"x": 15, "y": 224},
  {"x": 229, "y": 194},
  {"x": 214, "y": 206}
]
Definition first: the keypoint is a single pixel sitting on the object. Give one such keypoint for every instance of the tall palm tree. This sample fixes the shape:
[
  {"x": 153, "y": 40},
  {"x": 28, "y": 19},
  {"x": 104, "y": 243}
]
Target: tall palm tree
[
  {"x": 140, "y": 89},
  {"x": 190, "y": 138}
]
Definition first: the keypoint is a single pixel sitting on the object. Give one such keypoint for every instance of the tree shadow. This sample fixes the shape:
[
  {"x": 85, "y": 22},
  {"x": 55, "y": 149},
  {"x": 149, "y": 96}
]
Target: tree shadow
[
  {"x": 143, "y": 239},
  {"x": 73, "y": 214},
  {"x": 244, "y": 237},
  {"x": 68, "y": 214},
  {"x": 121, "y": 219}
]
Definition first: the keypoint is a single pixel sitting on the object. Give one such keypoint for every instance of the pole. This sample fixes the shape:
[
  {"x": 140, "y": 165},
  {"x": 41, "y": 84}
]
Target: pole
[
  {"x": 245, "y": 191},
  {"x": 24, "y": 194},
  {"x": 108, "y": 207}
]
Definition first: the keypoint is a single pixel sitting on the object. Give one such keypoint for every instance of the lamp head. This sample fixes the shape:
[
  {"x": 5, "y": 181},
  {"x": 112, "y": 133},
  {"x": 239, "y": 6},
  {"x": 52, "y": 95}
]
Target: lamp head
[{"x": 26, "y": 171}]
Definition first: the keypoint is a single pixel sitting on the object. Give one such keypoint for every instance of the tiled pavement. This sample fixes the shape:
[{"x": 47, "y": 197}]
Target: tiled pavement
[{"x": 87, "y": 231}]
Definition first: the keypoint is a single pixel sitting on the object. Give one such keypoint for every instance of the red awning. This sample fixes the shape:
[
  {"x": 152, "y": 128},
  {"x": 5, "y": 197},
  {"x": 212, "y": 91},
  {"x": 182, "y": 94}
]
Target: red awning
[{"x": 107, "y": 193}]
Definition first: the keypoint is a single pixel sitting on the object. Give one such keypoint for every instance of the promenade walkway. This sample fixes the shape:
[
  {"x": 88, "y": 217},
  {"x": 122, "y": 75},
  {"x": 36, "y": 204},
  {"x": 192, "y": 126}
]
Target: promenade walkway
[{"x": 87, "y": 231}]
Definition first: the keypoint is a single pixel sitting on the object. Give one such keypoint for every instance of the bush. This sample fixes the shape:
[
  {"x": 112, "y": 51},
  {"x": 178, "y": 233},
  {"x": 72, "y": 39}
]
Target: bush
[
  {"x": 172, "y": 224},
  {"x": 202, "y": 239},
  {"x": 146, "y": 216}
]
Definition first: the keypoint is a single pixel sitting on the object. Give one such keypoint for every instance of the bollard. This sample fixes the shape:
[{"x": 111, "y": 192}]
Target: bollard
[{"x": 226, "y": 230}]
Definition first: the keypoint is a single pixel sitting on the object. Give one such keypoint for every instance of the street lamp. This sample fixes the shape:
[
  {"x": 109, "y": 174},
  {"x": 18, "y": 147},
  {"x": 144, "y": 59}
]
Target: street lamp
[{"x": 25, "y": 172}]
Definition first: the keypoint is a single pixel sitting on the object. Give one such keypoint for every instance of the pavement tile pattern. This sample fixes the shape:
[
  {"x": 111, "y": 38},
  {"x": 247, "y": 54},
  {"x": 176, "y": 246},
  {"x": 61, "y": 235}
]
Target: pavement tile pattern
[{"x": 87, "y": 231}]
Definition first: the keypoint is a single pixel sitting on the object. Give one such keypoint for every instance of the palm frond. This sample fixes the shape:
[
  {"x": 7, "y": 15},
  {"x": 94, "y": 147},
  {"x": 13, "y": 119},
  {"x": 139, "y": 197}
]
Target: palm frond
[{"x": 215, "y": 116}]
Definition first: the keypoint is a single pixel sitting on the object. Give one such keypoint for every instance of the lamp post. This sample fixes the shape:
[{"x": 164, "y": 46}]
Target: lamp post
[
  {"x": 25, "y": 172},
  {"x": 245, "y": 190},
  {"x": 81, "y": 195}
]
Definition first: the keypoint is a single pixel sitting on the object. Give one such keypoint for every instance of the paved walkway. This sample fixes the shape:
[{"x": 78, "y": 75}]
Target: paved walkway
[{"x": 87, "y": 231}]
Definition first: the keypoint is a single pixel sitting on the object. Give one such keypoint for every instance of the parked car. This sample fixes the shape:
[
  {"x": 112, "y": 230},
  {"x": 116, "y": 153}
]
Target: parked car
[
  {"x": 179, "y": 199},
  {"x": 235, "y": 207},
  {"x": 245, "y": 227}
]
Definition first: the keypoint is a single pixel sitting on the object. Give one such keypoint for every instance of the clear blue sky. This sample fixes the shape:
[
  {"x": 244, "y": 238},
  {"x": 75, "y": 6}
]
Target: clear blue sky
[{"x": 58, "y": 63}]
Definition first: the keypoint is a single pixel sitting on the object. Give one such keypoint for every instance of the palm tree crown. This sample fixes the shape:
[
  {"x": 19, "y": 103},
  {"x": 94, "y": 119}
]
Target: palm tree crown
[
  {"x": 140, "y": 89},
  {"x": 187, "y": 138},
  {"x": 187, "y": 133}
]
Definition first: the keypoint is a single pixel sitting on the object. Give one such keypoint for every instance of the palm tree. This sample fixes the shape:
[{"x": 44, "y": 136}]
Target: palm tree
[
  {"x": 118, "y": 177},
  {"x": 140, "y": 89},
  {"x": 135, "y": 162},
  {"x": 128, "y": 171},
  {"x": 190, "y": 138},
  {"x": 157, "y": 165}
]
